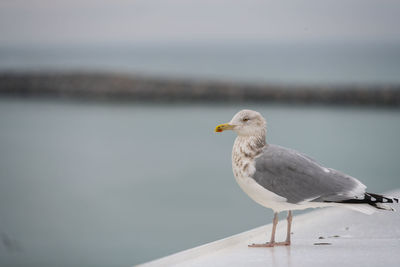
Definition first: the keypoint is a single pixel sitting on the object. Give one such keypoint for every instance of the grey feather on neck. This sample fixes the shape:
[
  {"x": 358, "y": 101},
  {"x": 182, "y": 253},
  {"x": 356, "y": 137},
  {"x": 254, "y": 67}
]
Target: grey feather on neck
[{"x": 249, "y": 146}]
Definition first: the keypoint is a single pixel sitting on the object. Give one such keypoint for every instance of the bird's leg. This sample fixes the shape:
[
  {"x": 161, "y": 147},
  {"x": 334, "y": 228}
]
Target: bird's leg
[
  {"x": 271, "y": 243},
  {"x": 289, "y": 227}
]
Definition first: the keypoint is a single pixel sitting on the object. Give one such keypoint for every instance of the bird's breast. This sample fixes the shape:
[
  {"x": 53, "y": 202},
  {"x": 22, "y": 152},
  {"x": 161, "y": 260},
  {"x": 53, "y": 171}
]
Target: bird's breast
[
  {"x": 242, "y": 165},
  {"x": 244, "y": 153}
]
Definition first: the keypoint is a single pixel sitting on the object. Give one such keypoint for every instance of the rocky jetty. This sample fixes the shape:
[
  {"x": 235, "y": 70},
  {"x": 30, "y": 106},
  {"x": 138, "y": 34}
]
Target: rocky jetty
[{"x": 110, "y": 86}]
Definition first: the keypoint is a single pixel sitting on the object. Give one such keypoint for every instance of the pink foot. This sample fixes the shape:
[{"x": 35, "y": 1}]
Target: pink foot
[
  {"x": 264, "y": 245},
  {"x": 286, "y": 243}
]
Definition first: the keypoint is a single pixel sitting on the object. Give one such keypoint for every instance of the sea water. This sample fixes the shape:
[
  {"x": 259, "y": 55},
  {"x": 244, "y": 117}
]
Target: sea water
[{"x": 108, "y": 184}]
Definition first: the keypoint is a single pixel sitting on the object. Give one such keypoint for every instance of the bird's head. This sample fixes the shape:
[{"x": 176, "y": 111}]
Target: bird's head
[{"x": 245, "y": 123}]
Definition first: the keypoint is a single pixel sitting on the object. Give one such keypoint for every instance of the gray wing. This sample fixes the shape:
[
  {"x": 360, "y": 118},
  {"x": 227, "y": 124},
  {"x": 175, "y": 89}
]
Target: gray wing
[{"x": 298, "y": 178}]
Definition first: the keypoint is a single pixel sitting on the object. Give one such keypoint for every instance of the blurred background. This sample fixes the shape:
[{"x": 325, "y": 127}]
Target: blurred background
[{"x": 107, "y": 111}]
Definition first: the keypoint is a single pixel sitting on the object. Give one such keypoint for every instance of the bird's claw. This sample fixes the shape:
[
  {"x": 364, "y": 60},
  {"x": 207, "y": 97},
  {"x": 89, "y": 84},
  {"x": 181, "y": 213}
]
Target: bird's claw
[
  {"x": 285, "y": 243},
  {"x": 269, "y": 244},
  {"x": 264, "y": 245}
]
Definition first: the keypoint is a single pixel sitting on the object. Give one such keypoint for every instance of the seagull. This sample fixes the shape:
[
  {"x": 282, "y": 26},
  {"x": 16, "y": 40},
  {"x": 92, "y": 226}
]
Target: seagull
[{"x": 284, "y": 179}]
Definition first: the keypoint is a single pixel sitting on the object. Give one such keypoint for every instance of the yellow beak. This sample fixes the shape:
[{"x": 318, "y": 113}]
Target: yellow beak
[{"x": 223, "y": 127}]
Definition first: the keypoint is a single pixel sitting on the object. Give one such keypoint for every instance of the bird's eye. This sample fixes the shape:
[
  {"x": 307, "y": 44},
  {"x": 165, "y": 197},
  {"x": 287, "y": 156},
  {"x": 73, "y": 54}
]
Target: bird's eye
[{"x": 245, "y": 119}]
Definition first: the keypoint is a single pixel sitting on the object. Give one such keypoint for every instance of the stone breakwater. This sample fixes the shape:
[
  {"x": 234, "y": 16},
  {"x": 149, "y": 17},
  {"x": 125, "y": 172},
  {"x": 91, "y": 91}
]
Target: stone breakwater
[{"x": 132, "y": 88}]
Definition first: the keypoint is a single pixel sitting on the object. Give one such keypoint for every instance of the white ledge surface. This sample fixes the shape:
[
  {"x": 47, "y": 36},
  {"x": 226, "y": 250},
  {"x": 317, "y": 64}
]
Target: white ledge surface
[{"x": 354, "y": 239}]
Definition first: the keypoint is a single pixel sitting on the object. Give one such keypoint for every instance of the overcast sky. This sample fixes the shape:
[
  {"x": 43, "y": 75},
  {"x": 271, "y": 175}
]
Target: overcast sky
[{"x": 124, "y": 21}]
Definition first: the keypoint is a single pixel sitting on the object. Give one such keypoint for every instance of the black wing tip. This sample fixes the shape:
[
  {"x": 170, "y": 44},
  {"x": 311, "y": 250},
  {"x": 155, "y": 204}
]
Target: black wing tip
[
  {"x": 376, "y": 198},
  {"x": 371, "y": 199}
]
